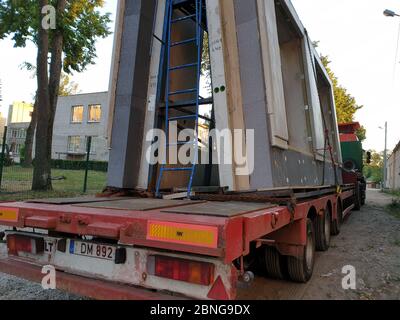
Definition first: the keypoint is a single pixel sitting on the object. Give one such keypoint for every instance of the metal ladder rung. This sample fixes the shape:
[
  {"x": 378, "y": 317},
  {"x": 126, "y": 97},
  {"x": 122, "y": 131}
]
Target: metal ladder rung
[
  {"x": 180, "y": 143},
  {"x": 176, "y": 169},
  {"x": 173, "y": 93},
  {"x": 183, "y": 18},
  {"x": 183, "y": 66},
  {"x": 191, "y": 116},
  {"x": 196, "y": 100},
  {"x": 190, "y": 103},
  {"x": 180, "y": 43}
]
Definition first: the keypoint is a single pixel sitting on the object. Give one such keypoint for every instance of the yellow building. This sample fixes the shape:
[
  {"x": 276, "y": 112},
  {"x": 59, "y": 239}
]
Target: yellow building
[
  {"x": 20, "y": 112},
  {"x": 19, "y": 118}
]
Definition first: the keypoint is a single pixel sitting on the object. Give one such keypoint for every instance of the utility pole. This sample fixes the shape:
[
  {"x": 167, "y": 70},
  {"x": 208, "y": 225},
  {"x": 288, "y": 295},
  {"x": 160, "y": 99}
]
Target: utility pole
[{"x": 385, "y": 159}]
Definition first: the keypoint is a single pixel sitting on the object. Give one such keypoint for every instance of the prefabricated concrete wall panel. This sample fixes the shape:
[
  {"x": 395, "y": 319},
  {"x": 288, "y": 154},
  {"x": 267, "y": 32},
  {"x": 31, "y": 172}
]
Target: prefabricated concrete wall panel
[
  {"x": 150, "y": 120},
  {"x": 271, "y": 62},
  {"x": 295, "y": 95},
  {"x": 233, "y": 90},
  {"x": 115, "y": 66},
  {"x": 222, "y": 120},
  {"x": 131, "y": 94},
  {"x": 328, "y": 103},
  {"x": 291, "y": 168},
  {"x": 313, "y": 100},
  {"x": 253, "y": 90}
]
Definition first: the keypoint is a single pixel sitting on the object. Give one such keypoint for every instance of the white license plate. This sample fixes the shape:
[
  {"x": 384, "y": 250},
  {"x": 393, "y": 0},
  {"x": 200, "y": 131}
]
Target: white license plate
[
  {"x": 49, "y": 246},
  {"x": 92, "y": 250}
]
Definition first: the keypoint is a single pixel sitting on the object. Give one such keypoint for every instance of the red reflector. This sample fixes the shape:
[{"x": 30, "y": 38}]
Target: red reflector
[
  {"x": 218, "y": 291},
  {"x": 18, "y": 243},
  {"x": 201, "y": 273}
]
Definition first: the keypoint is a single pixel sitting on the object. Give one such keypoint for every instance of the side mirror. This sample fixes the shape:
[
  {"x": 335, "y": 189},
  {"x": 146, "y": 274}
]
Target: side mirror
[{"x": 369, "y": 157}]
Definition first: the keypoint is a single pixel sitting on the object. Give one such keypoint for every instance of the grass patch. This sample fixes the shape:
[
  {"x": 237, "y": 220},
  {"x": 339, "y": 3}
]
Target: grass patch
[
  {"x": 17, "y": 183},
  {"x": 394, "y": 208},
  {"x": 395, "y": 193}
]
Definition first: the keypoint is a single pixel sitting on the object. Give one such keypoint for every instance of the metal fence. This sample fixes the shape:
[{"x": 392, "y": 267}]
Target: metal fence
[{"x": 68, "y": 177}]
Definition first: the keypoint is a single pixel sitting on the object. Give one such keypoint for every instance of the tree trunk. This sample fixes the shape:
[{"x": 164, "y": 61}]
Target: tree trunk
[
  {"x": 55, "y": 72},
  {"x": 42, "y": 169},
  {"x": 30, "y": 132}
]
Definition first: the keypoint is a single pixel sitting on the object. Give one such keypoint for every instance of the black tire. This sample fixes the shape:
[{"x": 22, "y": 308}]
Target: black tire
[
  {"x": 357, "y": 198},
  {"x": 323, "y": 230},
  {"x": 337, "y": 223},
  {"x": 271, "y": 262},
  {"x": 301, "y": 269}
]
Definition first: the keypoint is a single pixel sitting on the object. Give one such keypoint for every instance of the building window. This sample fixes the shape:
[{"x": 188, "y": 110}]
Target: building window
[
  {"x": 94, "y": 113},
  {"x": 74, "y": 144},
  {"x": 77, "y": 114}
]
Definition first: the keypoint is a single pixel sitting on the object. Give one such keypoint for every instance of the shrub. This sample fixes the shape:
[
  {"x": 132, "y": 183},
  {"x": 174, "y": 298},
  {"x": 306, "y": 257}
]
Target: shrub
[{"x": 79, "y": 165}]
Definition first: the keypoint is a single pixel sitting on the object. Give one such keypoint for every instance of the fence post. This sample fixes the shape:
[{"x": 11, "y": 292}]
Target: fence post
[
  {"x": 89, "y": 147},
  {"x": 3, "y": 151}
]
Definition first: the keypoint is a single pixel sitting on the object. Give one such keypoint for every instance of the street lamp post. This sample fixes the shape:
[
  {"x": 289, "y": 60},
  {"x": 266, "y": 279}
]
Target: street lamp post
[
  {"x": 385, "y": 158},
  {"x": 390, "y": 13}
]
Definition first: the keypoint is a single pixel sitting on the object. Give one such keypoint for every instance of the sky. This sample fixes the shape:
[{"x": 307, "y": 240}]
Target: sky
[
  {"x": 359, "y": 40},
  {"x": 361, "y": 43},
  {"x": 19, "y": 85}
]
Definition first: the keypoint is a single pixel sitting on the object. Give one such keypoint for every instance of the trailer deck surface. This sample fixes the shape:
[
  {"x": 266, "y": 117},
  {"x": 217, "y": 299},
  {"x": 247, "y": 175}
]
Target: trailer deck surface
[{"x": 213, "y": 228}]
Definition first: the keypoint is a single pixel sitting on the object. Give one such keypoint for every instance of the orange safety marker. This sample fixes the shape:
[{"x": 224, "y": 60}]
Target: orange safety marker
[
  {"x": 194, "y": 235},
  {"x": 9, "y": 214}
]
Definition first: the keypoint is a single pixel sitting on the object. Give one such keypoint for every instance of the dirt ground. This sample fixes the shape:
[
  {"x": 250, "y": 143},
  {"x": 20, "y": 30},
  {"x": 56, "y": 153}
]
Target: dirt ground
[{"x": 369, "y": 241}]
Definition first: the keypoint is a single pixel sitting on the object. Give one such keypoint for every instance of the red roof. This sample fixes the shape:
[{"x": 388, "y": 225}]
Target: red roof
[
  {"x": 348, "y": 137},
  {"x": 350, "y": 127}
]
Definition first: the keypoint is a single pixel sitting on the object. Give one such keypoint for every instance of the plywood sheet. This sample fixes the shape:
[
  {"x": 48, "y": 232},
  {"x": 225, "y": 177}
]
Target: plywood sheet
[
  {"x": 144, "y": 204},
  {"x": 220, "y": 209},
  {"x": 64, "y": 201}
]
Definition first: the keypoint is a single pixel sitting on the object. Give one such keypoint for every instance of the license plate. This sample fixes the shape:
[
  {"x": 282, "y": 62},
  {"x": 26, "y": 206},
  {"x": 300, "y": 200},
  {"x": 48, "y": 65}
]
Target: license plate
[
  {"x": 93, "y": 250},
  {"x": 49, "y": 246}
]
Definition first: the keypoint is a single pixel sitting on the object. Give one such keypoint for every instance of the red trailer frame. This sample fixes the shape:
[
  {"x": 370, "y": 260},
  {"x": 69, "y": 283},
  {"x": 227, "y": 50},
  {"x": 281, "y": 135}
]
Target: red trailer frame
[{"x": 283, "y": 227}]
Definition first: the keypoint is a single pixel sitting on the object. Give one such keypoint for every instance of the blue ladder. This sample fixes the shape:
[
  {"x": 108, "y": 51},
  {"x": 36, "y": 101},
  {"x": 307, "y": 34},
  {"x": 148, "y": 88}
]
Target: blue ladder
[{"x": 197, "y": 18}]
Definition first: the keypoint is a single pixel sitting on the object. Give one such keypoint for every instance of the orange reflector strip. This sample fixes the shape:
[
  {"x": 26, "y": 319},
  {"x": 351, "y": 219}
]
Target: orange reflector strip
[
  {"x": 9, "y": 214},
  {"x": 194, "y": 235}
]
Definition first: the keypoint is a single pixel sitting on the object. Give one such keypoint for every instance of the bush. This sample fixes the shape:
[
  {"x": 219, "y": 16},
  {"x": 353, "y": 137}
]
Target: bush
[{"x": 79, "y": 165}]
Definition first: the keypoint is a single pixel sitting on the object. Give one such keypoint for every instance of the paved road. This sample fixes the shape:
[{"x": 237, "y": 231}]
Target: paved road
[{"x": 369, "y": 241}]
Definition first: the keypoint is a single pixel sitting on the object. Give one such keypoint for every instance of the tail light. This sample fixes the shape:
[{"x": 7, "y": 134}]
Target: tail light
[
  {"x": 19, "y": 243},
  {"x": 201, "y": 273}
]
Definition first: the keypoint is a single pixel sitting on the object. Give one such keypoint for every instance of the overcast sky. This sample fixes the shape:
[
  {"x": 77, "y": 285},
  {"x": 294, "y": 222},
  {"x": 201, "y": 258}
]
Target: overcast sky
[{"x": 359, "y": 40}]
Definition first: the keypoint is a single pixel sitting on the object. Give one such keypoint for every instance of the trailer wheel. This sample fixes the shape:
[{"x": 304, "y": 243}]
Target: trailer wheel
[
  {"x": 301, "y": 269},
  {"x": 336, "y": 224},
  {"x": 272, "y": 262},
  {"x": 323, "y": 230}
]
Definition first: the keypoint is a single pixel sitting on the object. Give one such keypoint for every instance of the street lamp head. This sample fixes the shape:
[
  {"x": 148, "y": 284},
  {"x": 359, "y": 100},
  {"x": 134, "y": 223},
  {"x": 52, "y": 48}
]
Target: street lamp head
[{"x": 390, "y": 13}]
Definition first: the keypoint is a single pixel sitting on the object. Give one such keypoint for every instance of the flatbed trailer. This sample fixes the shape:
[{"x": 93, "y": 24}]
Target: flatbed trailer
[{"x": 146, "y": 248}]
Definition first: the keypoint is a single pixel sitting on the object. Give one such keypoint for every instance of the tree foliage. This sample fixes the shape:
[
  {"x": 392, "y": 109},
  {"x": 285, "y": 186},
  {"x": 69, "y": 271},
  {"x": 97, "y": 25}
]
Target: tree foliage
[
  {"x": 374, "y": 170},
  {"x": 67, "y": 87},
  {"x": 80, "y": 24},
  {"x": 69, "y": 45},
  {"x": 346, "y": 104}
]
